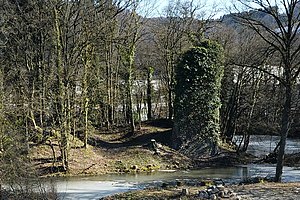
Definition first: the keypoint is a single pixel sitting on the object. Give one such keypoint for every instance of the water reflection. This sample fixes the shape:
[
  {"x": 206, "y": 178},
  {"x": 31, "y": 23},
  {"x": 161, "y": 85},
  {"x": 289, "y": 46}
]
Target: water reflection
[
  {"x": 96, "y": 187},
  {"x": 87, "y": 188},
  {"x": 261, "y": 145}
]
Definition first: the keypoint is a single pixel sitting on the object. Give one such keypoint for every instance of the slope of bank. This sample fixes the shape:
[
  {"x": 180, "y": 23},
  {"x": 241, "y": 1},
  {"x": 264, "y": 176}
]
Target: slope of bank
[
  {"x": 112, "y": 152},
  {"x": 119, "y": 151},
  {"x": 259, "y": 191}
]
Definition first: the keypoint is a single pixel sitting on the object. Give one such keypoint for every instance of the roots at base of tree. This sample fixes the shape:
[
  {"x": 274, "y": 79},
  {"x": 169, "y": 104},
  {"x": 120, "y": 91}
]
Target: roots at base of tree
[
  {"x": 202, "y": 149},
  {"x": 292, "y": 160}
]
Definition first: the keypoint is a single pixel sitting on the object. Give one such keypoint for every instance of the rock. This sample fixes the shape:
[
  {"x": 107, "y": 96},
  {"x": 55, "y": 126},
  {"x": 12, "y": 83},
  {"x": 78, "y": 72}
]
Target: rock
[
  {"x": 217, "y": 192},
  {"x": 209, "y": 191},
  {"x": 119, "y": 162},
  {"x": 153, "y": 144},
  {"x": 220, "y": 187},
  {"x": 233, "y": 195},
  {"x": 157, "y": 152},
  {"x": 226, "y": 194},
  {"x": 201, "y": 183},
  {"x": 134, "y": 167},
  {"x": 213, "y": 197},
  {"x": 179, "y": 183},
  {"x": 164, "y": 185},
  {"x": 149, "y": 166},
  {"x": 213, "y": 189},
  {"x": 203, "y": 194},
  {"x": 229, "y": 192},
  {"x": 221, "y": 194},
  {"x": 175, "y": 167},
  {"x": 218, "y": 182},
  {"x": 185, "y": 191}
]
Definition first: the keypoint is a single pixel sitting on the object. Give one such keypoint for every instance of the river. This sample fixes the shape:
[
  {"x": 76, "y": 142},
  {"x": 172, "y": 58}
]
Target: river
[
  {"x": 90, "y": 188},
  {"x": 261, "y": 145},
  {"x": 87, "y": 188}
]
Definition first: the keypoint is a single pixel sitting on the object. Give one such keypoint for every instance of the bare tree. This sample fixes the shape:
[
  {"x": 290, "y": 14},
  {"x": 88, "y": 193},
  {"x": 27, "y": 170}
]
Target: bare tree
[
  {"x": 174, "y": 34},
  {"x": 279, "y": 29}
]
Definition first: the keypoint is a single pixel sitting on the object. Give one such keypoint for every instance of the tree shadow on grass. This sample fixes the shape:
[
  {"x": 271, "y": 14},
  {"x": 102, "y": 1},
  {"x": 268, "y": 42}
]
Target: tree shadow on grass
[
  {"x": 163, "y": 137},
  {"x": 45, "y": 160},
  {"x": 159, "y": 123},
  {"x": 127, "y": 135},
  {"x": 51, "y": 170}
]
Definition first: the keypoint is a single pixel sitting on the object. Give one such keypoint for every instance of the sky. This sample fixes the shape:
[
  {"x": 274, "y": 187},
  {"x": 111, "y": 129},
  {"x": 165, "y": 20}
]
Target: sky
[
  {"x": 221, "y": 6},
  {"x": 216, "y": 7}
]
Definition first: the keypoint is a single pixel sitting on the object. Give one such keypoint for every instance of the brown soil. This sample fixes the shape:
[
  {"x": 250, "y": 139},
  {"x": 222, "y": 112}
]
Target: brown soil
[
  {"x": 112, "y": 152},
  {"x": 119, "y": 151}
]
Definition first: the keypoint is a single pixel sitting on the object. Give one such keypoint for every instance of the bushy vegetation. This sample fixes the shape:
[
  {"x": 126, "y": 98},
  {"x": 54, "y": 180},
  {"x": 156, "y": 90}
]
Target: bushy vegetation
[
  {"x": 197, "y": 102},
  {"x": 70, "y": 69}
]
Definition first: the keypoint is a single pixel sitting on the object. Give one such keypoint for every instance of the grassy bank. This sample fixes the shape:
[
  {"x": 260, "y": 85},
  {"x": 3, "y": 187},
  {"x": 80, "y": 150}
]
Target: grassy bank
[{"x": 112, "y": 152}]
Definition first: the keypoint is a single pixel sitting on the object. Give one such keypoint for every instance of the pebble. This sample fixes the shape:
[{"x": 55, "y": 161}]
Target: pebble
[
  {"x": 134, "y": 167},
  {"x": 220, "y": 187},
  {"x": 203, "y": 194},
  {"x": 164, "y": 185},
  {"x": 213, "y": 197},
  {"x": 179, "y": 183},
  {"x": 185, "y": 191}
]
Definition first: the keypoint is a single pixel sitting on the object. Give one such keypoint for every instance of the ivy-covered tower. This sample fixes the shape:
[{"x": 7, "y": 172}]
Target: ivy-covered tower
[{"x": 197, "y": 99}]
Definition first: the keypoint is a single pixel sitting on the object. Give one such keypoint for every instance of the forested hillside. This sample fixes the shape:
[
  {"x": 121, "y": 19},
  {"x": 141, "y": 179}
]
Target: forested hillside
[{"x": 72, "y": 68}]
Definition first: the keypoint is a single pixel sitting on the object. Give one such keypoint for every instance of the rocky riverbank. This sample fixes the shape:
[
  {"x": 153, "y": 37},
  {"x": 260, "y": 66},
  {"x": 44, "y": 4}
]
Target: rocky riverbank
[{"x": 270, "y": 191}]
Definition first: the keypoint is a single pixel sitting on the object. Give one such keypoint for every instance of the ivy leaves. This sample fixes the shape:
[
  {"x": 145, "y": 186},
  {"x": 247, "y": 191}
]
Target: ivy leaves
[{"x": 197, "y": 101}]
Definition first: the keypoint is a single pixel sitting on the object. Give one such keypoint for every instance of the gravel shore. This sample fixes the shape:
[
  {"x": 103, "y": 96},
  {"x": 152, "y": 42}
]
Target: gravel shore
[
  {"x": 266, "y": 191},
  {"x": 269, "y": 191}
]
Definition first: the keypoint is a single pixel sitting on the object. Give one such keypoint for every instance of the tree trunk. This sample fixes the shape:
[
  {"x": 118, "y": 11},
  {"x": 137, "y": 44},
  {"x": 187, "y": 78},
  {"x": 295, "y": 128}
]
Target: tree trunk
[
  {"x": 85, "y": 99},
  {"x": 61, "y": 93},
  {"x": 131, "y": 55},
  {"x": 170, "y": 104},
  {"x": 229, "y": 123},
  {"x": 149, "y": 93},
  {"x": 285, "y": 123},
  {"x": 86, "y": 123},
  {"x": 108, "y": 106},
  {"x": 250, "y": 114},
  {"x": 130, "y": 108},
  {"x": 139, "y": 101}
]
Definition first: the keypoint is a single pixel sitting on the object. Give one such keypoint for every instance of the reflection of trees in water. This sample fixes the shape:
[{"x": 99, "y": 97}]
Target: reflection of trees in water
[{"x": 263, "y": 144}]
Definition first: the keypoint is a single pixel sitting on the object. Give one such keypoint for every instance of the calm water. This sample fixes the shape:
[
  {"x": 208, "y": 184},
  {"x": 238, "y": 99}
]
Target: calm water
[
  {"x": 96, "y": 187},
  {"x": 88, "y": 188},
  {"x": 264, "y": 144}
]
